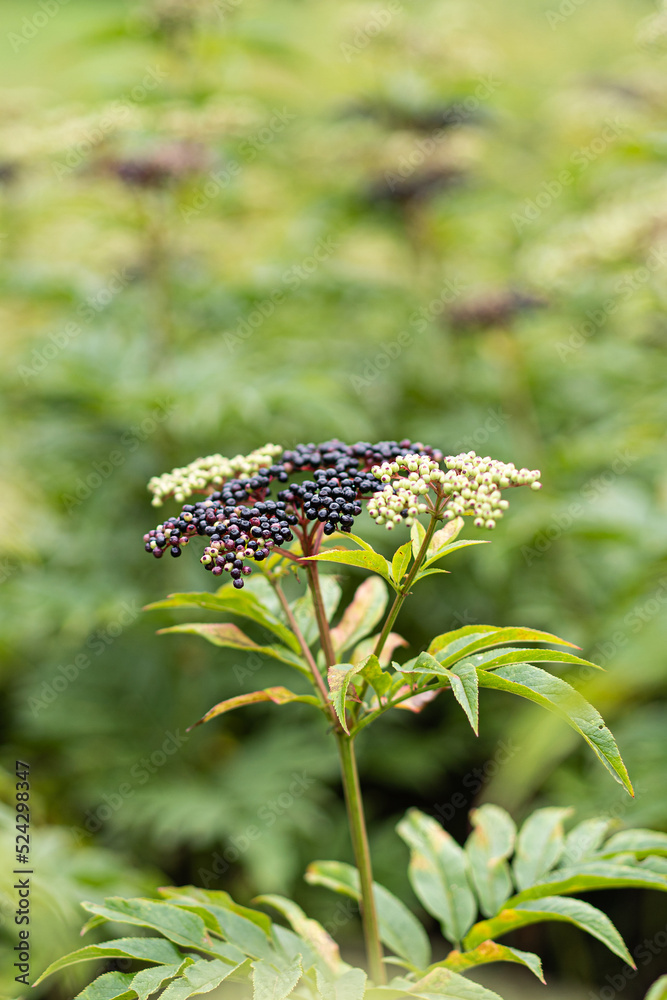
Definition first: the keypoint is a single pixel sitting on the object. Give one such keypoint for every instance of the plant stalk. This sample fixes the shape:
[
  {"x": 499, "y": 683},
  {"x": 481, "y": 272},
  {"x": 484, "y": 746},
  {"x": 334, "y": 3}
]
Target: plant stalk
[
  {"x": 362, "y": 857},
  {"x": 405, "y": 589}
]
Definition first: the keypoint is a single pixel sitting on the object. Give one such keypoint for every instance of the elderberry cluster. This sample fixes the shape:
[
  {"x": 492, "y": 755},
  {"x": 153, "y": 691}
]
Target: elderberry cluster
[{"x": 240, "y": 520}]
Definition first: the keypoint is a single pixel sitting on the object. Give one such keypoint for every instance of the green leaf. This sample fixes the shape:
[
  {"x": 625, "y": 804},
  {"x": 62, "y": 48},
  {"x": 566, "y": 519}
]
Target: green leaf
[
  {"x": 231, "y": 636},
  {"x": 364, "y": 559},
  {"x": 490, "y": 659},
  {"x": 200, "y": 977},
  {"x": 449, "y": 985},
  {"x": 379, "y": 679},
  {"x": 272, "y": 983},
  {"x": 490, "y": 951},
  {"x": 558, "y": 696},
  {"x": 367, "y": 645},
  {"x": 446, "y": 550},
  {"x": 438, "y": 874},
  {"x": 659, "y": 990},
  {"x": 109, "y": 986},
  {"x": 361, "y": 615},
  {"x": 592, "y": 875},
  {"x": 278, "y": 695},
  {"x": 340, "y": 678},
  {"x": 216, "y": 899},
  {"x": 488, "y": 847},
  {"x": 350, "y": 986},
  {"x": 639, "y": 842},
  {"x": 417, "y": 535},
  {"x": 463, "y": 683},
  {"x": 549, "y": 908},
  {"x": 145, "y": 948},
  {"x": 399, "y": 928},
  {"x": 175, "y": 924},
  {"x": 309, "y": 930},
  {"x": 539, "y": 845},
  {"x": 487, "y": 636},
  {"x": 401, "y": 561},
  {"x": 584, "y": 839},
  {"x": 230, "y": 600},
  {"x": 149, "y": 981},
  {"x": 443, "y": 536},
  {"x": 423, "y": 573}
]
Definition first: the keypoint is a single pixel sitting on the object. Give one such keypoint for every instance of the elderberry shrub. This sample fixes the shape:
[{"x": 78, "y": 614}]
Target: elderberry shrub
[{"x": 242, "y": 522}]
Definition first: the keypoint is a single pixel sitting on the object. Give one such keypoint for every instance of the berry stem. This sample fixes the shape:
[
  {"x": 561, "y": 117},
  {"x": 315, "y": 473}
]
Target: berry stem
[{"x": 362, "y": 855}]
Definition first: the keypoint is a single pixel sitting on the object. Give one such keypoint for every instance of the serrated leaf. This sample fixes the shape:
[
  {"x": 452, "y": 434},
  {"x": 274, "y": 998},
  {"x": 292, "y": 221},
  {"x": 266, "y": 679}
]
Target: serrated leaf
[
  {"x": 200, "y": 977},
  {"x": 438, "y": 874},
  {"x": 463, "y": 683},
  {"x": 398, "y": 927},
  {"x": 278, "y": 695},
  {"x": 350, "y": 986},
  {"x": 539, "y": 845},
  {"x": 558, "y": 696},
  {"x": 639, "y": 842},
  {"x": 361, "y": 615},
  {"x": 175, "y": 924},
  {"x": 380, "y": 680},
  {"x": 231, "y": 636},
  {"x": 487, "y": 848},
  {"x": 549, "y": 908},
  {"x": 232, "y": 601},
  {"x": 417, "y": 535},
  {"x": 339, "y": 678},
  {"x": 486, "y": 637},
  {"x": 109, "y": 986},
  {"x": 149, "y": 981},
  {"x": 659, "y": 990},
  {"x": 363, "y": 559},
  {"x": 401, "y": 561},
  {"x": 147, "y": 949},
  {"x": 450, "y": 986},
  {"x": 217, "y": 899},
  {"x": 273, "y": 983},
  {"x": 490, "y": 659},
  {"x": 309, "y": 930},
  {"x": 584, "y": 839},
  {"x": 589, "y": 876},
  {"x": 490, "y": 951}
]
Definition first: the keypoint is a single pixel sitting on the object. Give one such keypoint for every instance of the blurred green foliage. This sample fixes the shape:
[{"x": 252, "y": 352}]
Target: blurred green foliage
[{"x": 224, "y": 223}]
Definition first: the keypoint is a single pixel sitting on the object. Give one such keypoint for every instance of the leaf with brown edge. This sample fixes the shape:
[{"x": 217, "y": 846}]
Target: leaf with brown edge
[
  {"x": 491, "y": 951},
  {"x": 231, "y": 636},
  {"x": 278, "y": 695},
  {"x": 361, "y": 615}
]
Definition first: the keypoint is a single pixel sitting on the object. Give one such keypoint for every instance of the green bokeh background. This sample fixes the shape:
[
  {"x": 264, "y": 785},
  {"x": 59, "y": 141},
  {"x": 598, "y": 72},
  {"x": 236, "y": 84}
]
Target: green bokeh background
[{"x": 295, "y": 117}]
